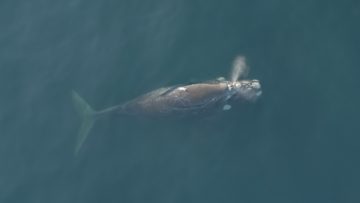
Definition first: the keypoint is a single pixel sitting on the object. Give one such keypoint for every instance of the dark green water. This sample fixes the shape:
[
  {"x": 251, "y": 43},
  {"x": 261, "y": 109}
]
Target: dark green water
[{"x": 299, "y": 143}]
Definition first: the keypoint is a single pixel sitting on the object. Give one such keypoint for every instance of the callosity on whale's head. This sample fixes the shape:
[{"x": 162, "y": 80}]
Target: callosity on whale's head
[
  {"x": 243, "y": 89},
  {"x": 246, "y": 90}
]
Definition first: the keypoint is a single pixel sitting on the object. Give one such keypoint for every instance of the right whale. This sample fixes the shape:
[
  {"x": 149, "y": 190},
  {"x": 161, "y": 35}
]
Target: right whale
[{"x": 177, "y": 101}]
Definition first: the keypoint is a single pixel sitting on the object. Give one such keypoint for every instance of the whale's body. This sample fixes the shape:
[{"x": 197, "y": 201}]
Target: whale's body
[{"x": 177, "y": 101}]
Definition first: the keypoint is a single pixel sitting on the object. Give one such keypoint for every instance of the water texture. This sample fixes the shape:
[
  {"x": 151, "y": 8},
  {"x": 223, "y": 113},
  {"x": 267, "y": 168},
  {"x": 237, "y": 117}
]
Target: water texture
[{"x": 298, "y": 143}]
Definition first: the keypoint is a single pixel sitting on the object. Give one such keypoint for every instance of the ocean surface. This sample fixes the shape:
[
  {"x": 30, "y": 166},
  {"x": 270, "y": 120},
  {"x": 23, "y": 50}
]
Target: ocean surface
[{"x": 299, "y": 143}]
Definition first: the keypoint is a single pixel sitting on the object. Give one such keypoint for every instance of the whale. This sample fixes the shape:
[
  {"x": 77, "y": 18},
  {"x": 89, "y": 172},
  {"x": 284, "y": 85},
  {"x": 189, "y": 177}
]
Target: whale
[{"x": 177, "y": 101}]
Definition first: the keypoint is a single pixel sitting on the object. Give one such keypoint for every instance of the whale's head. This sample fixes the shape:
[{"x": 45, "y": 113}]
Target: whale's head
[{"x": 246, "y": 90}]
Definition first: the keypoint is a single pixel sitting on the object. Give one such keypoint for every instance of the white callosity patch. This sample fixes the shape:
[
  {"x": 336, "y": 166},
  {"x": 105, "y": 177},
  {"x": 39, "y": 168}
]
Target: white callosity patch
[
  {"x": 221, "y": 79},
  {"x": 182, "y": 88},
  {"x": 226, "y": 107}
]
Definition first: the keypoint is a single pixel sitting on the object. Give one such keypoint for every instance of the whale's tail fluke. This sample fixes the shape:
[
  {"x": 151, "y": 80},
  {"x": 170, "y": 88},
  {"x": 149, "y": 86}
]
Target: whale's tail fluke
[{"x": 87, "y": 115}]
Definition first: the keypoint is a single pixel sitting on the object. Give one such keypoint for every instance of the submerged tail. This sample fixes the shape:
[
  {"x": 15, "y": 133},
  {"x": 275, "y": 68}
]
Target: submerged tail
[{"x": 87, "y": 115}]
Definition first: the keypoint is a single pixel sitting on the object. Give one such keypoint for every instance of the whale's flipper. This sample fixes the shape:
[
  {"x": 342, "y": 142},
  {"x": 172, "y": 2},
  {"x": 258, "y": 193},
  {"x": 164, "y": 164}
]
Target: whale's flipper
[{"x": 87, "y": 115}]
